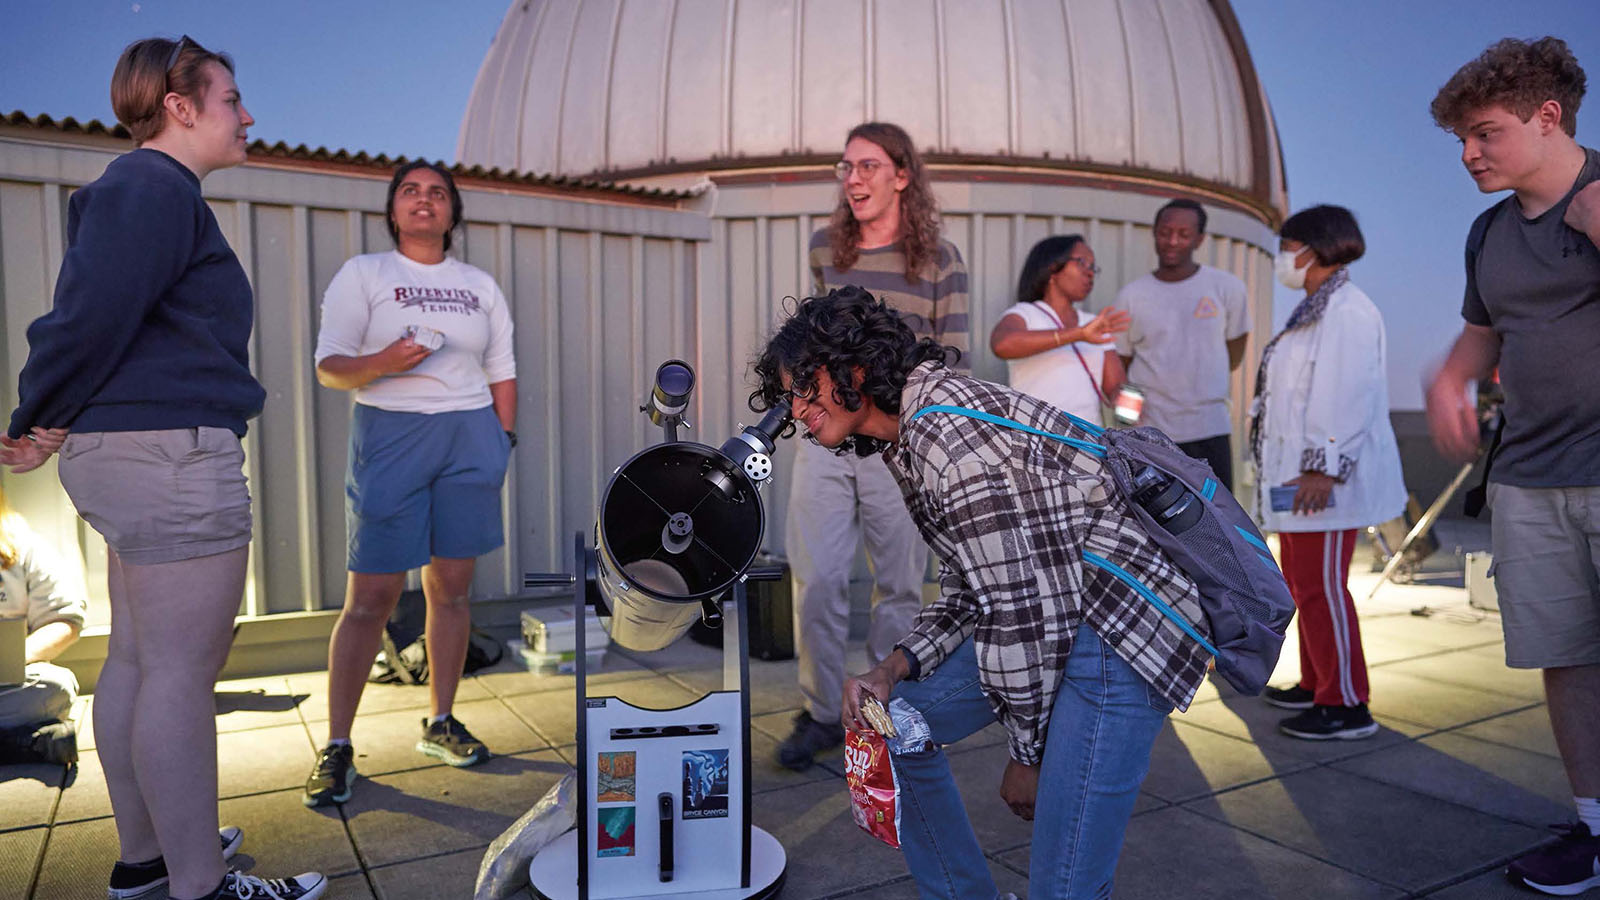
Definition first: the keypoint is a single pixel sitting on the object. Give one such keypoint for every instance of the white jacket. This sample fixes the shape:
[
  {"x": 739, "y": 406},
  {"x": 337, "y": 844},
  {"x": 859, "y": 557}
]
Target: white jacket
[{"x": 1327, "y": 389}]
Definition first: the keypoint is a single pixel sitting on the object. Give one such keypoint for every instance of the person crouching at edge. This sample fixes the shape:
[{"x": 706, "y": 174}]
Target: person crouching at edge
[{"x": 1079, "y": 669}]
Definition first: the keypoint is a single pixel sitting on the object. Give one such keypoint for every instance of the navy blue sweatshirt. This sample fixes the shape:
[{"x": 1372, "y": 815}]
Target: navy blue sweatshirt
[{"x": 150, "y": 329}]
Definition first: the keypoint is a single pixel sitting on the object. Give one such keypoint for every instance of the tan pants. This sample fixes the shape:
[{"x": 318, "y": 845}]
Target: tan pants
[
  {"x": 835, "y": 502},
  {"x": 160, "y": 496}
]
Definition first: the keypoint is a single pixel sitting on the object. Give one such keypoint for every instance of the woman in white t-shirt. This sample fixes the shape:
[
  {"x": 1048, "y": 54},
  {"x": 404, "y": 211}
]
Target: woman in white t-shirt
[
  {"x": 1052, "y": 350},
  {"x": 424, "y": 342}
]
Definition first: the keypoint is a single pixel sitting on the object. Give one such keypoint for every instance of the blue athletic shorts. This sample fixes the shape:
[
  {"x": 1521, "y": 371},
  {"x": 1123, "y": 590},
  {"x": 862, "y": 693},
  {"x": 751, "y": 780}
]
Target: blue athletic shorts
[{"x": 421, "y": 485}]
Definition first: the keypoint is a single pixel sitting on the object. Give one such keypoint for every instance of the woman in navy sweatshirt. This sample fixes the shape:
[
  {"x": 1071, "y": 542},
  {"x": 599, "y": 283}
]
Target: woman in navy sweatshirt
[{"x": 144, "y": 359}]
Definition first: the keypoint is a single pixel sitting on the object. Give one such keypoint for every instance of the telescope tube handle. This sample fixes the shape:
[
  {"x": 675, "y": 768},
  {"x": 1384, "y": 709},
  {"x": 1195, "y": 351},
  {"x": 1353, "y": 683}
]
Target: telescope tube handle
[
  {"x": 547, "y": 579},
  {"x": 765, "y": 573},
  {"x": 710, "y": 613}
]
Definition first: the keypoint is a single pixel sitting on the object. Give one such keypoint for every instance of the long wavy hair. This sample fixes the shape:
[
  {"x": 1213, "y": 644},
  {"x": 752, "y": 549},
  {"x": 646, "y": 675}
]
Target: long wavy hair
[
  {"x": 919, "y": 212},
  {"x": 844, "y": 332}
]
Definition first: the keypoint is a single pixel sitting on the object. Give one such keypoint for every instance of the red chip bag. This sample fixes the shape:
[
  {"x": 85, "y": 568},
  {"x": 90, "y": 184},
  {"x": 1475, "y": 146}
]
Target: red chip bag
[{"x": 874, "y": 790}]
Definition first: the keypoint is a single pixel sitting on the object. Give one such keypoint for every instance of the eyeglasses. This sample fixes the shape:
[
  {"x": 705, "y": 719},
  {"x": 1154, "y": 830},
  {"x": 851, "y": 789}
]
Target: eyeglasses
[
  {"x": 1083, "y": 264},
  {"x": 867, "y": 168},
  {"x": 172, "y": 58},
  {"x": 807, "y": 393}
]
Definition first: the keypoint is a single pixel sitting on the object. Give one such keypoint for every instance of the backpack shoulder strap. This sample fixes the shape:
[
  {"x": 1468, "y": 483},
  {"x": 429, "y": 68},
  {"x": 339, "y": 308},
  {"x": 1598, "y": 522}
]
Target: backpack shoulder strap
[{"x": 991, "y": 418}]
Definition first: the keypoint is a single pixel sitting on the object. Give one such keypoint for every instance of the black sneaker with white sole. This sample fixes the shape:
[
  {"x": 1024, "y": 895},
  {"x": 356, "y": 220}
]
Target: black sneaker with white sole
[
  {"x": 1563, "y": 869},
  {"x": 331, "y": 778},
  {"x": 130, "y": 881},
  {"x": 1295, "y": 697},
  {"x": 451, "y": 742},
  {"x": 239, "y": 886},
  {"x": 1331, "y": 723}
]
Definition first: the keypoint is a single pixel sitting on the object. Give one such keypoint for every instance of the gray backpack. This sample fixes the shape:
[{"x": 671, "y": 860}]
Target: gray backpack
[{"x": 1203, "y": 530}]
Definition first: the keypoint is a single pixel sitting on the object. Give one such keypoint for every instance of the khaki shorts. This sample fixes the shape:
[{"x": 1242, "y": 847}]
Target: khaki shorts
[
  {"x": 1546, "y": 554},
  {"x": 160, "y": 496}
]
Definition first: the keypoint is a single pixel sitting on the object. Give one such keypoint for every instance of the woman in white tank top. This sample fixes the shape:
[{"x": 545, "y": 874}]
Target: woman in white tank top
[{"x": 1052, "y": 351}]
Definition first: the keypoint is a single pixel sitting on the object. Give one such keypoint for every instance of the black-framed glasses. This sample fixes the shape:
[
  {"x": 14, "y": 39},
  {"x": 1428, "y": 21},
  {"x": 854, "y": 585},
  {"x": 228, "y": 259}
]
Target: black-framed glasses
[
  {"x": 867, "y": 168},
  {"x": 172, "y": 58},
  {"x": 808, "y": 394}
]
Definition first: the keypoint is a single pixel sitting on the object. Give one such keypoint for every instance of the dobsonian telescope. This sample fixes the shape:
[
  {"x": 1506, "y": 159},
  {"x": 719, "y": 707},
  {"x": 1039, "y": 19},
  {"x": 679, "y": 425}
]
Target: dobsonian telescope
[{"x": 677, "y": 534}]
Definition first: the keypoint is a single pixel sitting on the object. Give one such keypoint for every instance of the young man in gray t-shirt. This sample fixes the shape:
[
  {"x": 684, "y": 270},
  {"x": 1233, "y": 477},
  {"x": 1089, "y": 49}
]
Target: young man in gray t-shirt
[
  {"x": 1189, "y": 324},
  {"x": 1532, "y": 309}
]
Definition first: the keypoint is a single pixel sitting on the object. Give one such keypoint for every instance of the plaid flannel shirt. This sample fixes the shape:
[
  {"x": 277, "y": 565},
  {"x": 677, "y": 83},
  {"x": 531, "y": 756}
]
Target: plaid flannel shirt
[{"x": 1009, "y": 515}]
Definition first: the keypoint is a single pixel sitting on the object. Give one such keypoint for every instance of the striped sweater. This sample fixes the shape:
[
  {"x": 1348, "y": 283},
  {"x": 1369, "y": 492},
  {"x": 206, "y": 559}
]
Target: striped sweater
[{"x": 935, "y": 306}]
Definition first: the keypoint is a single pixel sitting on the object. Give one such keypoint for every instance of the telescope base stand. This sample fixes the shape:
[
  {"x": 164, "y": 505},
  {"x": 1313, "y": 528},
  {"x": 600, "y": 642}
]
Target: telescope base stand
[{"x": 554, "y": 871}]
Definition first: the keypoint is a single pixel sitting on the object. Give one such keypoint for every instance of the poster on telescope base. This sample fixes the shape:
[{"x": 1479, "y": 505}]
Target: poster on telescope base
[{"x": 695, "y": 755}]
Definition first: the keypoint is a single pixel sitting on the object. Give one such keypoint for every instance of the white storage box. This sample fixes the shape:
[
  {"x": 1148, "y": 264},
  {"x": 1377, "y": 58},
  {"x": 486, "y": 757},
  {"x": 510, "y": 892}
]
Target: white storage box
[
  {"x": 564, "y": 663},
  {"x": 1481, "y": 592},
  {"x": 550, "y": 630}
]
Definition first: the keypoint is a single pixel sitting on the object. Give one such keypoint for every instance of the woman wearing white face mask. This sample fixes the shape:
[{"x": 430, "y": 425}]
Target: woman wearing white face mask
[{"x": 1327, "y": 463}]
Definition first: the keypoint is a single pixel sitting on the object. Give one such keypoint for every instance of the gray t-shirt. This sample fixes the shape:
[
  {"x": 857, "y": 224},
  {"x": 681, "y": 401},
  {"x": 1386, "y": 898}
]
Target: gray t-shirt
[
  {"x": 1536, "y": 282},
  {"x": 1179, "y": 343}
]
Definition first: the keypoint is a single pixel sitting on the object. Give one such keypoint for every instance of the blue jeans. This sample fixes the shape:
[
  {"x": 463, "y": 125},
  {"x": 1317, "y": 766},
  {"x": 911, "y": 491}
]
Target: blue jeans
[{"x": 1097, "y": 752}]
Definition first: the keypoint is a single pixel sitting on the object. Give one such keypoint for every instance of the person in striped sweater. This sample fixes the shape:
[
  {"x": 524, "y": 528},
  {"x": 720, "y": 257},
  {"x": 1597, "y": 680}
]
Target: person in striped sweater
[{"x": 883, "y": 237}]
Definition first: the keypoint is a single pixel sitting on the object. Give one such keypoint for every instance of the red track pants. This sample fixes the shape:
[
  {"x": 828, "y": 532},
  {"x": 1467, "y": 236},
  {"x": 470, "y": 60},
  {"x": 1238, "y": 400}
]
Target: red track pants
[{"x": 1317, "y": 567}]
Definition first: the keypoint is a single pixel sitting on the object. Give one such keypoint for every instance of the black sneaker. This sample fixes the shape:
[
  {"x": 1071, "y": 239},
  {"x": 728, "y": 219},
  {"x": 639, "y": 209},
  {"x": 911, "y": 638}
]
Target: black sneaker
[
  {"x": 239, "y": 886},
  {"x": 332, "y": 777},
  {"x": 1295, "y": 697},
  {"x": 451, "y": 742},
  {"x": 130, "y": 881},
  {"x": 1569, "y": 866},
  {"x": 810, "y": 737},
  {"x": 1331, "y": 723}
]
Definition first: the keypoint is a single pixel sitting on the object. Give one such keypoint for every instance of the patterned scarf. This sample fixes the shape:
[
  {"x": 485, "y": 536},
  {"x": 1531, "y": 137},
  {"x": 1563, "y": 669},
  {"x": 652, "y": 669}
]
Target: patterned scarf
[{"x": 1307, "y": 313}]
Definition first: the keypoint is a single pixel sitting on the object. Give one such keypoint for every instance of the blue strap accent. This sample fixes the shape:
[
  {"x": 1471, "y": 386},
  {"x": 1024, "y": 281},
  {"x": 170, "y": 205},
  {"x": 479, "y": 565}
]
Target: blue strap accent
[
  {"x": 1269, "y": 561},
  {"x": 1209, "y": 489},
  {"x": 992, "y": 419},
  {"x": 1085, "y": 424},
  {"x": 1139, "y": 587},
  {"x": 1256, "y": 542}
]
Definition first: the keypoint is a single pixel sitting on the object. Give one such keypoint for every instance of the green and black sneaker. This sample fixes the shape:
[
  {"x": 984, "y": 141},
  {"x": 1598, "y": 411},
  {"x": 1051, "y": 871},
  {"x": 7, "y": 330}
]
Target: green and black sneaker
[{"x": 451, "y": 742}]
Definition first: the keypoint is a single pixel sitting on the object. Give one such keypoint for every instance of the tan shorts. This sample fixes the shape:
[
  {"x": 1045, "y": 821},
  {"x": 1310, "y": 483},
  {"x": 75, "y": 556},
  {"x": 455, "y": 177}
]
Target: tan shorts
[
  {"x": 160, "y": 496},
  {"x": 1547, "y": 573}
]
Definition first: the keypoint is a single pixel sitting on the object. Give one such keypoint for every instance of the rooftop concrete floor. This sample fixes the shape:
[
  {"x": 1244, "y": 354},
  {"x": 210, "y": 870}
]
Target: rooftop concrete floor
[{"x": 1463, "y": 776}]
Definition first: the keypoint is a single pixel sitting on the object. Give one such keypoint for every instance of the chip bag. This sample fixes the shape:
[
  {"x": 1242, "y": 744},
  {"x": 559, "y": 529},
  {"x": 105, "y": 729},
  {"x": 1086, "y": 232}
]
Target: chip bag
[{"x": 874, "y": 788}]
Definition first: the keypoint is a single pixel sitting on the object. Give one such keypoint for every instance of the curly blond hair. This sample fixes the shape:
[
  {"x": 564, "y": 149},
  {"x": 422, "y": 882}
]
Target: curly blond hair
[
  {"x": 919, "y": 212},
  {"x": 1519, "y": 75}
]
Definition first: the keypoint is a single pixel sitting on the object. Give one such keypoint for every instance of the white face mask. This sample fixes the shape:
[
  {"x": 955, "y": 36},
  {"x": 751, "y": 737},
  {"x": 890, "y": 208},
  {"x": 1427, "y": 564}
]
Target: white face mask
[{"x": 1290, "y": 277}]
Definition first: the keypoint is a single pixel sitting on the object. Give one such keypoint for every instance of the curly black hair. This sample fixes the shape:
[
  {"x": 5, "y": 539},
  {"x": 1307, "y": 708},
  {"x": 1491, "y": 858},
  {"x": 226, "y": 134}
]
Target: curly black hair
[
  {"x": 1519, "y": 75},
  {"x": 845, "y": 331}
]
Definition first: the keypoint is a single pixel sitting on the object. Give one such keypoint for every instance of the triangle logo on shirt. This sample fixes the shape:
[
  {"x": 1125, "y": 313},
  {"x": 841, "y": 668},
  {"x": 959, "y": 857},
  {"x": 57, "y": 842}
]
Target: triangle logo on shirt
[{"x": 1206, "y": 309}]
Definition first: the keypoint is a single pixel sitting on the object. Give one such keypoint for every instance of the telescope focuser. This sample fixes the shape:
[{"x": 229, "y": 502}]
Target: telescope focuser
[{"x": 749, "y": 452}]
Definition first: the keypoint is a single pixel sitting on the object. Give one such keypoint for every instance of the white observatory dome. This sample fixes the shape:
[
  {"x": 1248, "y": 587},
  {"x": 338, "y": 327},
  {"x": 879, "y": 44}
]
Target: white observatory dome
[{"x": 635, "y": 89}]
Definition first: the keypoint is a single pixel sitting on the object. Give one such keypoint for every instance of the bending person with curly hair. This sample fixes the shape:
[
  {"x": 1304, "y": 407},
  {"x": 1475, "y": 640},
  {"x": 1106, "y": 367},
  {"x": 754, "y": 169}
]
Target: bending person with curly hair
[
  {"x": 1080, "y": 670},
  {"x": 884, "y": 237}
]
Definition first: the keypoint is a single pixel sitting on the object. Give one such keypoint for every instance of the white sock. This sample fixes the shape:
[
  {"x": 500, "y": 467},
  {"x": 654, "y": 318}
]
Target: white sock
[
  {"x": 1589, "y": 812},
  {"x": 439, "y": 719},
  {"x": 338, "y": 742}
]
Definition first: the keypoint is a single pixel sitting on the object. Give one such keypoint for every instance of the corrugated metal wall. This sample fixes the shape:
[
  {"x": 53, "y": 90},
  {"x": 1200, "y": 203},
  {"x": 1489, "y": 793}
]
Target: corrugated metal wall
[{"x": 602, "y": 291}]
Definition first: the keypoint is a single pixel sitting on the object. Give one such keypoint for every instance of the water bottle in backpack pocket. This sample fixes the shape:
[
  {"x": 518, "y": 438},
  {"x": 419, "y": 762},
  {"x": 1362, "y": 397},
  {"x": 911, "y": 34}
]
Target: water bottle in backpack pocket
[{"x": 1206, "y": 534}]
